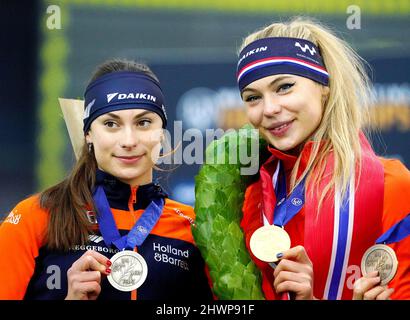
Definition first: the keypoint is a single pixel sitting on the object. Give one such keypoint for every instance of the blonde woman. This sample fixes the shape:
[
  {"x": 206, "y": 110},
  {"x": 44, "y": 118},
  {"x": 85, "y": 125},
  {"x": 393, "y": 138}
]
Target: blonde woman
[
  {"x": 107, "y": 231},
  {"x": 307, "y": 91}
]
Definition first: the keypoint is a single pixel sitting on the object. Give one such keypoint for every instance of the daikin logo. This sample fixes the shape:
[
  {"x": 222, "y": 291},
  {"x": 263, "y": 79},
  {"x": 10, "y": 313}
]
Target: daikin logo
[
  {"x": 131, "y": 95},
  {"x": 111, "y": 96},
  {"x": 305, "y": 47},
  {"x": 251, "y": 52}
]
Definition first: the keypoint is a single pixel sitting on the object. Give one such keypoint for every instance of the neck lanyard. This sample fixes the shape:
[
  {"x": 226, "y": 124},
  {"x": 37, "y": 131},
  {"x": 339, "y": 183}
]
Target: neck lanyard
[
  {"x": 287, "y": 207},
  {"x": 140, "y": 230},
  {"x": 397, "y": 232}
]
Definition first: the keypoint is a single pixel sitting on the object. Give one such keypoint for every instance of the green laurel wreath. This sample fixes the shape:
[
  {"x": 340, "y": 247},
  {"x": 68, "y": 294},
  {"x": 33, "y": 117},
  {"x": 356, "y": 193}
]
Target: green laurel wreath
[{"x": 219, "y": 196}]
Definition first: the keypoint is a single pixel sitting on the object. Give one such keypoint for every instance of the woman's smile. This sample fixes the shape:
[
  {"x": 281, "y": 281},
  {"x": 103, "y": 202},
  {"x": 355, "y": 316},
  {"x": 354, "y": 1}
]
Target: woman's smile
[
  {"x": 129, "y": 159},
  {"x": 279, "y": 129}
]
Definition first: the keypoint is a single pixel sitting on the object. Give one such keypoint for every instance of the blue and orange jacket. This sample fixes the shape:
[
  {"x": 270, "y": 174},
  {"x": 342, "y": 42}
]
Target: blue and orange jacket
[{"x": 176, "y": 270}]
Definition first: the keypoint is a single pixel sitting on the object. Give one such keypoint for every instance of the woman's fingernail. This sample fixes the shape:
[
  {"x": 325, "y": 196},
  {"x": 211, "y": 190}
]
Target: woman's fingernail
[
  {"x": 108, "y": 270},
  {"x": 109, "y": 263},
  {"x": 279, "y": 255}
]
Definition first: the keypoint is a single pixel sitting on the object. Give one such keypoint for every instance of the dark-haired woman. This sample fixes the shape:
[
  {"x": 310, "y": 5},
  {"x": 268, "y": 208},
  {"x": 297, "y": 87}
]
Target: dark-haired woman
[{"x": 107, "y": 231}]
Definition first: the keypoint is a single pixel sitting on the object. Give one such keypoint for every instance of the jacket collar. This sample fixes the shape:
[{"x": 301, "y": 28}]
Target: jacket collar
[
  {"x": 289, "y": 160},
  {"x": 119, "y": 194}
]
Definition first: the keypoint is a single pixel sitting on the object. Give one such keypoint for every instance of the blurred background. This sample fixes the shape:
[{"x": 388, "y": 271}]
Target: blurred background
[{"x": 51, "y": 48}]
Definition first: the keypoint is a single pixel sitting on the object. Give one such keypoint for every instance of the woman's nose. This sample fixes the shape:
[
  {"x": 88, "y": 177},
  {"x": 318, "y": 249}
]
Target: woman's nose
[
  {"x": 129, "y": 138},
  {"x": 271, "y": 107}
]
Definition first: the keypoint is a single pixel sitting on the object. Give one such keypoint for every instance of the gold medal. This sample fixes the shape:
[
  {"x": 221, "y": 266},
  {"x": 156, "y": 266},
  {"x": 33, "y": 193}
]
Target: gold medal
[
  {"x": 267, "y": 241},
  {"x": 129, "y": 270},
  {"x": 380, "y": 258}
]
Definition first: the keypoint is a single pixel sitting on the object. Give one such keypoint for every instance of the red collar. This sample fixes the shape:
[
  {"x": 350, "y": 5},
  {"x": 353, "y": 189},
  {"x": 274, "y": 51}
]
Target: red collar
[{"x": 289, "y": 160}]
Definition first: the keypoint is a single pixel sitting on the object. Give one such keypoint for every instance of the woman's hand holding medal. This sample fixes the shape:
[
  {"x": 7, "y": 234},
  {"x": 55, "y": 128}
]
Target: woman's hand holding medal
[
  {"x": 84, "y": 276},
  {"x": 294, "y": 273},
  {"x": 369, "y": 287},
  {"x": 379, "y": 266}
]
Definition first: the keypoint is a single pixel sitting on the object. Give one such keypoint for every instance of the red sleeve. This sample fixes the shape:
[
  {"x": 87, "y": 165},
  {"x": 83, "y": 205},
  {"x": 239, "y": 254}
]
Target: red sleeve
[
  {"x": 21, "y": 236},
  {"x": 395, "y": 208}
]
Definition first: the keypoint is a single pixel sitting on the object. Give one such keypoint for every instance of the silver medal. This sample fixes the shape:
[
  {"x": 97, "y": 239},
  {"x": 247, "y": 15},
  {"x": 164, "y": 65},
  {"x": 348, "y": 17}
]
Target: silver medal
[{"x": 128, "y": 270}]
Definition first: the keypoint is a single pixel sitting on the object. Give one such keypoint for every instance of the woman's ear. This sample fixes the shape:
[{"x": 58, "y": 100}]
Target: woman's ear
[
  {"x": 325, "y": 94},
  {"x": 88, "y": 138}
]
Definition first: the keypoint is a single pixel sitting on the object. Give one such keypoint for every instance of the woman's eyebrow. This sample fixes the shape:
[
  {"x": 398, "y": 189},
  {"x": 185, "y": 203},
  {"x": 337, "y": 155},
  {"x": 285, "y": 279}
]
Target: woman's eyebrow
[
  {"x": 278, "y": 79},
  {"x": 113, "y": 115},
  {"x": 270, "y": 84},
  {"x": 142, "y": 114}
]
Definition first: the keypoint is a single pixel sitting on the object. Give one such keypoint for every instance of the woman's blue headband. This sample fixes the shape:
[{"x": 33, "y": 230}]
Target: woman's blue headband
[
  {"x": 278, "y": 55},
  {"x": 122, "y": 90}
]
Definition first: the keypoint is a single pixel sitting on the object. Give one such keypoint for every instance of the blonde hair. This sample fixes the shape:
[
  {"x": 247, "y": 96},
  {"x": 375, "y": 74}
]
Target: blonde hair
[{"x": 345, "y": 110}]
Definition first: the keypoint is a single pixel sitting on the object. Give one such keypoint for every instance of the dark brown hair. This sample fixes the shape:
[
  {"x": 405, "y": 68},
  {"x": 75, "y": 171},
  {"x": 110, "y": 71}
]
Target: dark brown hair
[{"x": 68, "y": 201}]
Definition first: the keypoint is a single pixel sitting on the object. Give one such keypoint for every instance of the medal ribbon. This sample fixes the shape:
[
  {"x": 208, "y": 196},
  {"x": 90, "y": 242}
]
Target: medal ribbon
[
  {"x": 287, "y": 207},
  {"x": 344, "y": 211},
  {"x": 396, "y": 233},
  {"x": 140, "y": 230}
]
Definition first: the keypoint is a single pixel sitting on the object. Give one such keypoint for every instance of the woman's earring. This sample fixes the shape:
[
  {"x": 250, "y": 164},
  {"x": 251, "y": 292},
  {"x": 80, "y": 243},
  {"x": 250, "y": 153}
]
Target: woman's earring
[{"x": 90, "y": 147}]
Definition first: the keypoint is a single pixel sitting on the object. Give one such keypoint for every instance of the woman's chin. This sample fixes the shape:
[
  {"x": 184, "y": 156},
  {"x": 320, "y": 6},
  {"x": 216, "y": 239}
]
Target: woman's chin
[{"x": 282, "y": 144}]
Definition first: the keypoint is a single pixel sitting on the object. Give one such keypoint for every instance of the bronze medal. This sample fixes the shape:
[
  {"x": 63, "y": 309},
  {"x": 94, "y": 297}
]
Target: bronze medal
[{"x": 380, "y": 258}]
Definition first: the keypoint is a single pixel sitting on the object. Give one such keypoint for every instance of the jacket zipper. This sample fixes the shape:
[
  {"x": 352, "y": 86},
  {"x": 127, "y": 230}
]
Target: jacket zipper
[{"x": 132, "y": 200}]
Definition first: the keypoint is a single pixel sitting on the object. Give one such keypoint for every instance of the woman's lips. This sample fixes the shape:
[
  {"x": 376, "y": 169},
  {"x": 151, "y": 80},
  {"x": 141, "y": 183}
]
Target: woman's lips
[
  {"x": 128, "y": 159},
  {"x": 280, "y": 130}
]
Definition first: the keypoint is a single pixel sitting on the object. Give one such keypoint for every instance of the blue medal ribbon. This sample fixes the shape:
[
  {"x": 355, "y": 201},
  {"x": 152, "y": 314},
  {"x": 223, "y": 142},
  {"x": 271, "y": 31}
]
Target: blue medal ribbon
[
  {"x": 287, "y": 207},
  {"x": 344, "y": 220},
  {"x": 396, "y": 233},
  {"x": 140, "y": 230}
]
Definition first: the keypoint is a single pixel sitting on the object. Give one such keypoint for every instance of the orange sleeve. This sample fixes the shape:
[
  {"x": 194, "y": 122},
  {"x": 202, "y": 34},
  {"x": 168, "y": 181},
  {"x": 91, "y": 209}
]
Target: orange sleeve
[
  {"x": 395, "y": 208},
  {"x": 21, "y": 236},
  {"x": 176, "y": 221}
]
